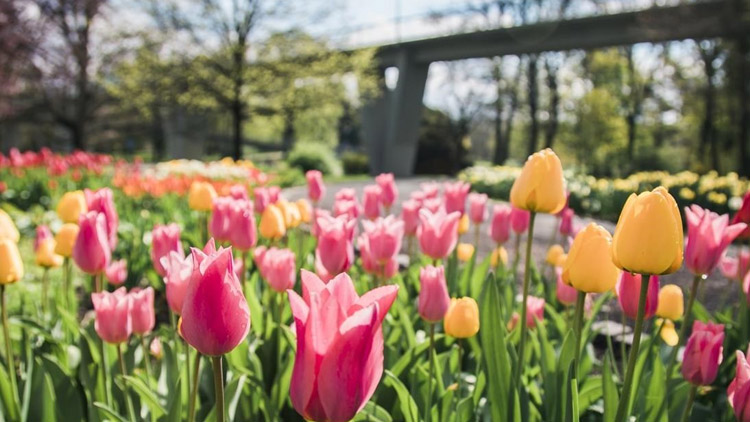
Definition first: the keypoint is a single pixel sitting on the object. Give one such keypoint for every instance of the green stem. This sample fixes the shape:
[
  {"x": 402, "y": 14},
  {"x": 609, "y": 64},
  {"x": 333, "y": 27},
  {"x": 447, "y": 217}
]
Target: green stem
[
  {"x": 623, "y": 351},
  {"x": 685, "y": 324},
  {"x": 146, "y": 360},
  {"x": 428, "y": 410},
  {"x": 10, "y": 360},
  {"x": 186, "y": 348},
  {"x": 526, "y": 279},
  {"x": 624, "y": 404},
  {"x": 517, "y": 254},
  {"x": 218, "y": 387},
  {"x": 477, "y": 237},
  {"x": 66, "y": 283},
  {"x": 124, "y": 372},
  {"x": 194, "y": 391},
  {"x": 279, "y": 334},
  {"x": 458, "y": 374},
  {"x": 580, "y": 302},
  {"x": 689, "y": 405},
  {"x": 44, "y": 291}
]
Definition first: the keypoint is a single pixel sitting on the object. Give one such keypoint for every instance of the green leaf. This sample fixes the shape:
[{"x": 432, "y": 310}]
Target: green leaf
[
  {"x": 174, "y": 413},
  {"x": 109, "y": 411},
  {"x": 256, "y": 309},
  {"x": 467, "y": 275},
  {"x": 609, "y": 391},
  {"x": 147, "y": 396},
  {"x": 9, "y": 403},
  {"x": 373, "y": 412},
  {"x": 406, "y": 401},
  {"x": 480, "y": 273},
  {"x": 655, "y": 392}
]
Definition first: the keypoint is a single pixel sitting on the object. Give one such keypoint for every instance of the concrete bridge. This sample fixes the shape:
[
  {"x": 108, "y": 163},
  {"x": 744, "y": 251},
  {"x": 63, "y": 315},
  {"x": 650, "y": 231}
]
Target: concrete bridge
[{"x": 391, "y": 122}]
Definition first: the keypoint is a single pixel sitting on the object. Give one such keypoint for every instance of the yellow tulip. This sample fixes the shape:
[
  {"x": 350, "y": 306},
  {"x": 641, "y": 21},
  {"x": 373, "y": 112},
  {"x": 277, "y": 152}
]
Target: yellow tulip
[
  {"x": 11, "y": 266},
  {"x": 46, "y": 256},
  {"x": 465, "y": 251},
  {"x": 671, "y": 303},
  {"x": 71, "y": 206},
  {"x": 667, "y": 332},
  {"x": 8, "y": 229},
  {"x": 589, "y": 267},
  {"x": 65, "y": 239},
  {"x": 500, "y": 253},
  {"x": 463, "y": 224},
  {"x": 291, "y": 213},
  {"x": 305, "y": 210},
  {"x": 272, "y": 225},
  {"x": 462, "y": 318},
  {"x": 201, "y": 196},
  {"x": 648, "y": 238},
  {"x": 560, "y": 262},
  {"x": 540, "y": 187},
  {"x": 553, "y": 254}
]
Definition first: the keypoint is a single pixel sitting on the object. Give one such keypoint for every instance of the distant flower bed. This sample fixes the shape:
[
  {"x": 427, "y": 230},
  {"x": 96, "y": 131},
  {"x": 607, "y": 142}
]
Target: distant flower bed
[{"x": 604, "y": 198}]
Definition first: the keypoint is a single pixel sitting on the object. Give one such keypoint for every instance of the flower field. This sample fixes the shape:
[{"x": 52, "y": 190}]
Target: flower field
[{"x": 189, "y": 291}]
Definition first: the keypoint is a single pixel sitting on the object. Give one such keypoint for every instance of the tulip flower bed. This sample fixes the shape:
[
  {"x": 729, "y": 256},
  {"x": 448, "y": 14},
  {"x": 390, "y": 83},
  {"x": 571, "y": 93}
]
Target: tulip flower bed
[
  {"x": 604, "y": 198},
  {"x": 203, "y": 300}
]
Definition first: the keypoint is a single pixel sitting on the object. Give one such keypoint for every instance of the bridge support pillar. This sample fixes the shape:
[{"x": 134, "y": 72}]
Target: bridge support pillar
[{"x": 391, "y": 121}]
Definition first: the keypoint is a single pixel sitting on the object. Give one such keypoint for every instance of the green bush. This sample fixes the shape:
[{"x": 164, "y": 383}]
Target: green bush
[
  {"x": 355, "y": 162},
  {"x": 315, "y": 156}
]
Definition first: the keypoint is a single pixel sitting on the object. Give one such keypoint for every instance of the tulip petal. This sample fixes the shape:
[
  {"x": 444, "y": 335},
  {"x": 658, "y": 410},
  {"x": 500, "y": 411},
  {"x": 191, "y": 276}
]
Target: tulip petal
[
  {"x": 311, "y": 283},
  {"x": 384, "y": 296}
]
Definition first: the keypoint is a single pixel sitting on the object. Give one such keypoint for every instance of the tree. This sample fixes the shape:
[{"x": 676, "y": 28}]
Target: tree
[{"x": 18, "y": 37}]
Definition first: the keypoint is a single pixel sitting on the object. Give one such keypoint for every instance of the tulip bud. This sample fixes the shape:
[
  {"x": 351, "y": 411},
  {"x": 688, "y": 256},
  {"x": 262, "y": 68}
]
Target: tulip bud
[
  {"x": 477, "y": 207},
  {"x": 738, "y": 393},
  {"x": 383, "y": 269},
  {"x": 534, "y": 310},
  {"x": 91, "y": 250},
  {"x": 553, "y": 254},
  {"x": 242, "y": 234},
  {"x": 588, "y": 266},
  {"x": 540, "y": 187},
  {"x": 71, "y": 206},
  {"x": 178, "y": 269},
  {"x": 335, "y": 249},
  {"x": 410, "y": 216},
  {"x": 463, "y": 224},
  {"x": 519, "y": 220},
  {"x": 272, "y": 224},
  {"x": 277, "y": 267},
  {"x": 433, "y": 301},
  {"x": 462, "y": 318},
  {"x": 566, "y": 222},
  {"x": 102, "y": 201},
  {"x": 238, "y": 192},
  {"x": 708, "y": 237},
  {"x": 11, "y": 266},
  {"x": 201, "y": 196},
  {"x": 501, "y": 254},
  {"x": 114, "y": 323},
  {"x": 142, "y": 310},
  {"x": 437, "y": 233},
  {"x": 384, "y": 237},
  {"x": 629, "y": 291},
  {"x": 117, "y": 272},
  {"x": 703, "y": 353},
  {"x": 743, "y": 216},
  {"x": 316, "y": 189},
  {"x": 8, "y": 229},
  {"x": 371, "y": 201},
  {"x": 648, "y": 238},
  {"x": 42, "y": 233},
  {"x": 219, "y": 225},
  {"x": 305, "y": 210},
  {"x": 262, "y": 197},
  {"x": 500, "y": 224},
  {"x": 671, "y": 303},
  {"x": 667, "y": 332},
  {"x": 388, "y": 189},
  {"x": 155, "y": 348},
  {"x": 465, "y": 251},
  {"x": 290, "y": 212},
  {"x": 65, "y": 239},
  {"x": 164, "y": 239},
  {"x": 46, "y": 256},
  {"x": 735, "y": 267},
  {"x": 566, "y": 295},
  {"x": 455, "y": 196}
]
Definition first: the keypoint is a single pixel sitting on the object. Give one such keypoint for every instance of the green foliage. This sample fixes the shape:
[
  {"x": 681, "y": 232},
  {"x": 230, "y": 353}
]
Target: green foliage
[
  {"x": 314, "y": 156},
  {"x": 355, "y": 162}
]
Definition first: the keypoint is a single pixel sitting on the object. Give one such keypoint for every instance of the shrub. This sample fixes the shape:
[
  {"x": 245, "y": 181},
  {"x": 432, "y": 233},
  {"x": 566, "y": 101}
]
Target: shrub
[
  {"x": 314, "y": 156},
  {"x": 355, "y": 162}
]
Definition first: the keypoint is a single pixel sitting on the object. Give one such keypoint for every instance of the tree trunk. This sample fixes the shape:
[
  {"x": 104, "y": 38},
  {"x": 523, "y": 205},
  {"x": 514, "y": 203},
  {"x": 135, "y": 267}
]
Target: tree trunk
[
  {"x": 533, "y": 104},
  {"x": 708, "y": 132},
  {"x": 237, "y": 119},
  {"x": 288, "y": 135},
  {"x": 157, "y": 133},
  {"x": 743, "y": 167},
  {"x": 634, "y": 100},
  {"x": 501, "y": 142},
  {"x": 554, "y": 105}
]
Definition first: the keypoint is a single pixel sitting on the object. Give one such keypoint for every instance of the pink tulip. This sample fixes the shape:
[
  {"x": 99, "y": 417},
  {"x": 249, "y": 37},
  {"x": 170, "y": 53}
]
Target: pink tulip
[
  {"x": 383, "y": 269},
  {"x": 703, "y": 353},
  {"x": 534, "y": 310},
  {"x": 155, "y": 348},
  {"x": 388, "y": 189},
  {"x": 113, "y": 321},
  {"x": 219, "y": 226},
  {"x": 438, "y": 232},
  {"x": 708, "y": 237},
  {"x": 91, "y": 250},
  {"x": 164, "y": 239},
  {"x": 433, "y": 204},
  {"x": 519, "y": 220},
  {"x": 430, "y": 189},
  {"x": 325, "y": 276},
  {"x": 142, "y": 311},
  {"x": 339, "y": 358},
  {"x": 277, "y": 267},
  {"x": 261, "y": 199},
  {"x": 743, "y": 216},
  {"x": 42, "y": 233},
  {"x": 734, "y": 267},
  {"x": 117, "y": 272},
  {"x": 566, "y": 222},
  {"x": 238, "y": 192},
  {"x": 215, "y": 315},
  {"x": 477, "y": 207},
  {"x": 500, "y": 224},
  {"x": 335, "y": 243},
  {"x": 433, "y": 301},
  {"x": 384, "y": 237},
  {"x": 102, "y": 201},
  {"x": 566, "y": 295},
  {"x": 455, "y": 196},
  {"x": 738, "y": 392},
  {"x": 410, "y": 216},
  {"x": 629, "y": 291},
  {"x": 347, "y": 207},
  {"x": 319, "y": 213},
  {"x": 315, "y": 187},
  {"x": 371, "y": 201},
  {"x": 417, "y": 196},
  {"x": 178, "y": 269},
  {"x": 346, "y": 193},
  {"x": 242, "y": 231}
]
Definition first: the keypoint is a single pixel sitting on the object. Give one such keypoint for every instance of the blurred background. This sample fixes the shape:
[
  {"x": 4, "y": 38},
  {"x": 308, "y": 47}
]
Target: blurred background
[{"x": 413, "y": 87}]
